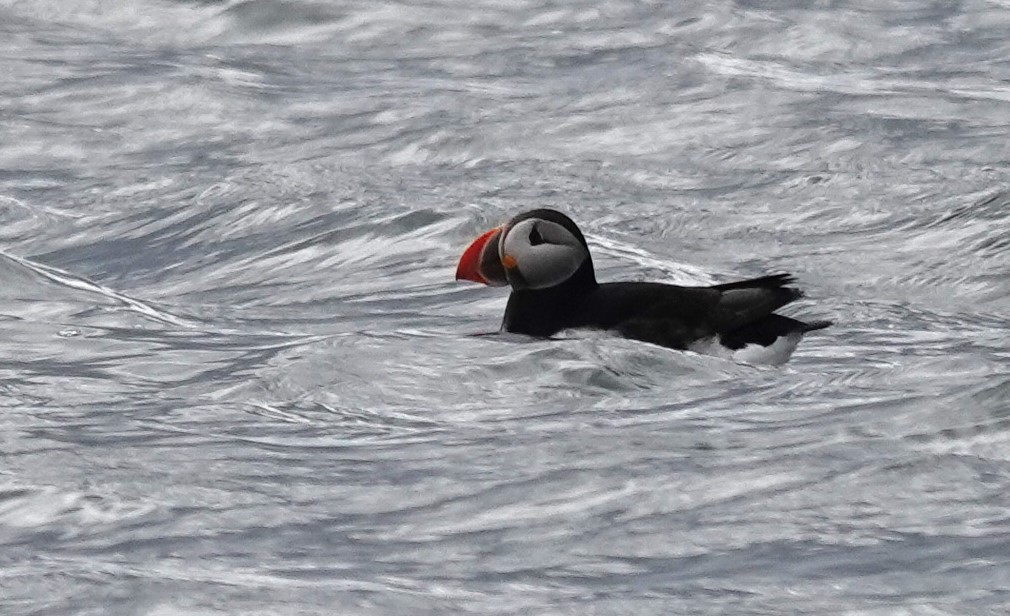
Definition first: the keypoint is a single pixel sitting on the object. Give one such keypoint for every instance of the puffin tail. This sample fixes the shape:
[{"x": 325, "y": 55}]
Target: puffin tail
[
  {"x": 815, "y": 325},
  {"x": 767, "y": 330},
  {"x": 774, "y": 281}
]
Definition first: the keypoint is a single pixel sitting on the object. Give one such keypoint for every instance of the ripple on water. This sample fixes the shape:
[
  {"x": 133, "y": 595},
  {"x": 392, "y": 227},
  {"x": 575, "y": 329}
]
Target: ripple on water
[{"x": 238, "y": 376}]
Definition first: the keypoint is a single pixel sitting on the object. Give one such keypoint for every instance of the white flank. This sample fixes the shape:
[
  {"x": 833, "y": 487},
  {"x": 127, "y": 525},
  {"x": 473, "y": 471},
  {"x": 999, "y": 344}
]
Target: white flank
[{"x": 775, "y": 354}]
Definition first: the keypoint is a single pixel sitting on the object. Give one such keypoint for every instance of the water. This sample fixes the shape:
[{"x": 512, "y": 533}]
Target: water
[{"x": 238, "y": 377}]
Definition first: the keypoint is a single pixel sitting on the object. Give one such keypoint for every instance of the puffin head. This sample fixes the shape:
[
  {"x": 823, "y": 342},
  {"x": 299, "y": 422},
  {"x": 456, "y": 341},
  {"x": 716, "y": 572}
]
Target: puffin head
[{"x": 538, "y": 249}]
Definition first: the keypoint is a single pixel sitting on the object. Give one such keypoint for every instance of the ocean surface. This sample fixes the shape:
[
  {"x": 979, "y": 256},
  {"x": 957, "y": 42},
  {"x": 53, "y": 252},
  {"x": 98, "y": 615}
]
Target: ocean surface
[{"x": 239, "y": 378}]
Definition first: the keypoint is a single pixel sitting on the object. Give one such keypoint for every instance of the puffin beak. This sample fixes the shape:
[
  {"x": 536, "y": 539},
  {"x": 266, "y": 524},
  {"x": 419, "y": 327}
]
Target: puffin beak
[{"x": 480, "y": 262}]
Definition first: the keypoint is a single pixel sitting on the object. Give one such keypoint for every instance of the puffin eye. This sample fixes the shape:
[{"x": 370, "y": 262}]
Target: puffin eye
[{"x": 535, "y": 238}]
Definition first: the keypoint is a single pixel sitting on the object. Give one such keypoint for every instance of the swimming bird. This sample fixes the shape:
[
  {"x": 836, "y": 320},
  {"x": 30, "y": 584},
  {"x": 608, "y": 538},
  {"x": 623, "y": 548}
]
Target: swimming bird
[{"x": 544, "y": 257}]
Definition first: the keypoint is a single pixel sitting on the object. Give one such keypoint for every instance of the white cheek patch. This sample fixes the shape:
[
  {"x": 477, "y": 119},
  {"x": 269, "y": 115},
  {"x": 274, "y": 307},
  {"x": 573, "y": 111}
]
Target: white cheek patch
[{"x": 548, "y": 263}]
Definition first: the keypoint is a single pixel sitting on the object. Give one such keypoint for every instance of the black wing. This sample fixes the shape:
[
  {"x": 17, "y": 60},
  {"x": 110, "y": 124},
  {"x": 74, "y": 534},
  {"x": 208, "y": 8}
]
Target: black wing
[
  {"x": 748, "y": 307},
  {"x": 739, "y": 312},
  {"x": 748, "y": 301}
]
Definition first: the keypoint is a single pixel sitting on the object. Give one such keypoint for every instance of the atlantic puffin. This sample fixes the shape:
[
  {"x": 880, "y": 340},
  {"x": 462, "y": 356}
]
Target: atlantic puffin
[{"x": 544, "y": 257}]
